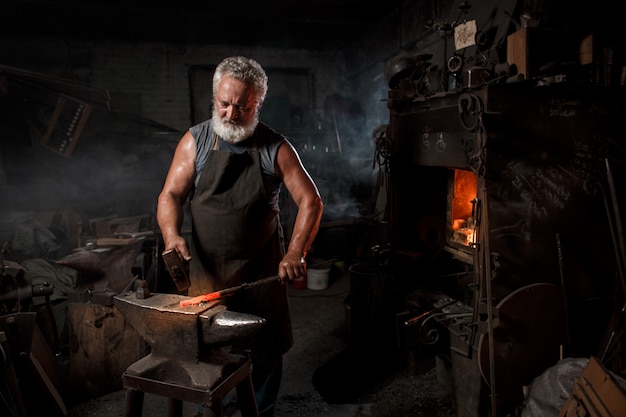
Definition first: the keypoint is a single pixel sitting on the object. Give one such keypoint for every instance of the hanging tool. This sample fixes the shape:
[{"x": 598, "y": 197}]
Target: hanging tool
[{"x": 337, "y": 133}]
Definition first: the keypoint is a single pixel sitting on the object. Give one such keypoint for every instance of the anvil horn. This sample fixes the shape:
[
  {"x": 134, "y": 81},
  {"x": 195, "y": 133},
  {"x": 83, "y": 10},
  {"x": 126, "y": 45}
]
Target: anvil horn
[{"x": 227, "y": 326}]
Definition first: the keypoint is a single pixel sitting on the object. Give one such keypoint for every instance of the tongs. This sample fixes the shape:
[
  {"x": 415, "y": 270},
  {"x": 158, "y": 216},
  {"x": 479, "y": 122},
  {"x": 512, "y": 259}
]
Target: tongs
[{"x": 205, "y": 298}]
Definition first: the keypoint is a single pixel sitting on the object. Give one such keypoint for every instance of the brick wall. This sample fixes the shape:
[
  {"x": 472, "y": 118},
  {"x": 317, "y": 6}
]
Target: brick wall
[{"x": 151, "y": 79}]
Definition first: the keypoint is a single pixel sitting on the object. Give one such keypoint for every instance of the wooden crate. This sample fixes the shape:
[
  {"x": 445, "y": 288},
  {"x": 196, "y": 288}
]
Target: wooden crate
[
  {"x": 102, "y": 346},
  {"x": 531, "y": 51},
  {"x": 595, "y": 394}
]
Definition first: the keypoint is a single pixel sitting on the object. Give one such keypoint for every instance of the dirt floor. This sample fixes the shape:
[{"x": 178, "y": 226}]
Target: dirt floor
[{"x": 325, "y": 374}]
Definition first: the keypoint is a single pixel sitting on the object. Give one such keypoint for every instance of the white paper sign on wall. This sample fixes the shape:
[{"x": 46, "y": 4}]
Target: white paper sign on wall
[{"x": 465, "y": 34}]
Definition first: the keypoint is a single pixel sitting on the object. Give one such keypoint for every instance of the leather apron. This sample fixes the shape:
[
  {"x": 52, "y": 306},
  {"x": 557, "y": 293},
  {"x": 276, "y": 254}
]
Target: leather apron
[{"x": 237, "y": 238}]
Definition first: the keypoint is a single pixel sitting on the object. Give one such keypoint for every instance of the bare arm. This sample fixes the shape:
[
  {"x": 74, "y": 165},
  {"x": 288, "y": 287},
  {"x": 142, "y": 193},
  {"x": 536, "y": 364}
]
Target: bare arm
[
  {"x": 306, "y": 196},
  {"x": 174, "y": 194}
]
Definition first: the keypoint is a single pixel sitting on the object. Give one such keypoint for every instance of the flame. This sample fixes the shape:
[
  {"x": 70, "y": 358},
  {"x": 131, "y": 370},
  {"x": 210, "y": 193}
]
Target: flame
[{"x": 463, "y": 224}]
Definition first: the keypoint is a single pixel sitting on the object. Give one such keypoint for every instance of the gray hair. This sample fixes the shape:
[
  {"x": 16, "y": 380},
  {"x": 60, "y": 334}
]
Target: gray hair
[{"x": 243, "y": 69}]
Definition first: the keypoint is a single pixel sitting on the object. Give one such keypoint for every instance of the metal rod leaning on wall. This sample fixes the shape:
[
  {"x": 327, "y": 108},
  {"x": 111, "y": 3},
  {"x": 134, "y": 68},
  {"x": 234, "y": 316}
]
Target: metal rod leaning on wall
[
  {"x": 487, "y": 283},
  {"x": 478, "y": 272},
  {"x": 619, "y": 242},
  {"x": 559, "y": 250}
]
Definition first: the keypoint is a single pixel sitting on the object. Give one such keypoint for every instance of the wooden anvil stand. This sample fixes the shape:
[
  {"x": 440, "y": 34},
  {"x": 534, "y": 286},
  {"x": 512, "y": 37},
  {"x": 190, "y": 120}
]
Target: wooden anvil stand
[{"x": 186, "y": 364}]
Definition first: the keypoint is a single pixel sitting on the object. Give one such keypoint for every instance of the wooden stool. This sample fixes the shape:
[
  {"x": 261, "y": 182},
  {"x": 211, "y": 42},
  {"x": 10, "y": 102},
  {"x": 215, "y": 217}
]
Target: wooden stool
[{"x": 204, "y": 382}]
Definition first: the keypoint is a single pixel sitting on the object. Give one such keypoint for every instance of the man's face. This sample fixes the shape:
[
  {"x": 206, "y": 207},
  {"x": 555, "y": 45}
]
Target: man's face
[{"x": 235, "y": 110}]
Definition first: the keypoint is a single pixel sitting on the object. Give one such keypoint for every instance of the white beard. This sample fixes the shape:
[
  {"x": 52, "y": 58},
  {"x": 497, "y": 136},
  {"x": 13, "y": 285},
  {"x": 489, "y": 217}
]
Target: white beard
[{"x": 233, "y": 133}]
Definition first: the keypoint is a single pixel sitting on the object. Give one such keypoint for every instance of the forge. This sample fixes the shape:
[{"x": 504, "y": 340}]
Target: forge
[{"x": 501, "y": 200}]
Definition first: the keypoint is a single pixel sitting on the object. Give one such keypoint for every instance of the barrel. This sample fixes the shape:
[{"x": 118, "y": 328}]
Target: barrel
[{"x": 369, "y": 315}]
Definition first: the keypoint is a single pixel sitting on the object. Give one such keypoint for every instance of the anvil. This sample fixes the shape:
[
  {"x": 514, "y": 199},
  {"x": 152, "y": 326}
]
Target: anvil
[
  {"x": 185, "y": 332},
  {"x": 188, "y": 361}
]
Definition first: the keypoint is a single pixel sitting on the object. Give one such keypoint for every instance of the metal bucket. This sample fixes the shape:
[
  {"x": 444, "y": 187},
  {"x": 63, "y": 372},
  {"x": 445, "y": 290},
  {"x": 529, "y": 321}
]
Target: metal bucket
[{"x": 317, "y": 278}]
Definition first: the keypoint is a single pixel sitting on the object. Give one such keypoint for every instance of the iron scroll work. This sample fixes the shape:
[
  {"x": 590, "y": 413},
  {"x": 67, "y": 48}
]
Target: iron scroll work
[{"x": 471, "y": 118}]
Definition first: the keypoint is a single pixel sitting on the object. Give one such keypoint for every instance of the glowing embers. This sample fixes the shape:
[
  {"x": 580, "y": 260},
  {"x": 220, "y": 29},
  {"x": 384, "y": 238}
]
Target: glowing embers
[{"x": 462, "y": 206}]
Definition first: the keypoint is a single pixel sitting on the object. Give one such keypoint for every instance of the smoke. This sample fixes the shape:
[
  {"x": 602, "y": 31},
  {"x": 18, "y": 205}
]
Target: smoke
[
  {"x": 340, "y": 160},
  {"x": 115, "y": 170}
]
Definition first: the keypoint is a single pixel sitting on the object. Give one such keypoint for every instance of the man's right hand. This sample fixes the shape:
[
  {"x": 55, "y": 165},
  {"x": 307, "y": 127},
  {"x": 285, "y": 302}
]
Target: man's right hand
[{"x": 179, "y": 244}]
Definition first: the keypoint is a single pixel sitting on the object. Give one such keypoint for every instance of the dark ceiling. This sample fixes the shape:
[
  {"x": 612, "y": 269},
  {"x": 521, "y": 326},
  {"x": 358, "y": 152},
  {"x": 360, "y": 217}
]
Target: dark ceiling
[{"x": 308, "y": 24}]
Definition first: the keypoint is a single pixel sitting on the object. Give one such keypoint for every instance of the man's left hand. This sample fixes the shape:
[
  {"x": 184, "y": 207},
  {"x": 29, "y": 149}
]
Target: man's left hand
[{"x": 292, "y": 266}]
